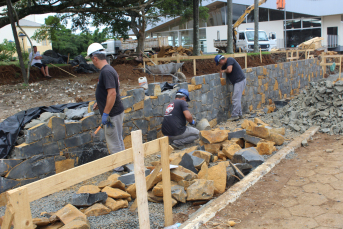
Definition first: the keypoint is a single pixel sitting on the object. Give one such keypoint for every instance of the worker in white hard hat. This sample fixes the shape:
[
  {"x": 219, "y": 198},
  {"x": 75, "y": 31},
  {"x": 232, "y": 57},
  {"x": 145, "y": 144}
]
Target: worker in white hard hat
[{"x": 108, "y": 100}]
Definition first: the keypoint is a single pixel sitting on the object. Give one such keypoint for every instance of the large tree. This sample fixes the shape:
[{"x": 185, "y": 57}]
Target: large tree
[
  {"x": 229, "y": 48},
  {"x": 256, "y": 18}
]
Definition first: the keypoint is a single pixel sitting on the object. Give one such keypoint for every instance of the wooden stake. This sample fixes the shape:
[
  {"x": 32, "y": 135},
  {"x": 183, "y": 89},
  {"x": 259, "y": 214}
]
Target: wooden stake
[
  {"x": 324, "y": 64},
  {"x": 63, "y": 70},
  {"x": 144, "y": 66},
  {"x": 8, "y": 218},
  {"x": 19, "y": 200},
  {"x": 156, "y": 59},
  {"x": 68, "y": 58},
  {"x": 195, "y": 67},
  {"x": 139, "y": 169},
  {"x": 261, "y": 55},
  {"x": 167, "y": 200},
  {"x": 148, "y": 184},
  {"x": 246, "y": 60},
  {"x": 178, "y": 60}
]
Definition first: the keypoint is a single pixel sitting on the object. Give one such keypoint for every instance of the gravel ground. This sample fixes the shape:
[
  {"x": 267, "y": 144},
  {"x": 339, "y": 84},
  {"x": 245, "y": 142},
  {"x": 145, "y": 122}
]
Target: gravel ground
[{"x": 124, "y": 218}]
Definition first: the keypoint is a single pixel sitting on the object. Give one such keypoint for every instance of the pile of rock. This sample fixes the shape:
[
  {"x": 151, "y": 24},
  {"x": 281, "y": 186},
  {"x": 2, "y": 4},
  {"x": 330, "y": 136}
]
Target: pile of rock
[
  {"x": 81, "y": 66},
  {"x": 319, "y": 105}
]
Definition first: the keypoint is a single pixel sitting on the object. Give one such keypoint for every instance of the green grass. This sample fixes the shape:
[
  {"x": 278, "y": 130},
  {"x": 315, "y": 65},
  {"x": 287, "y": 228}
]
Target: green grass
[
  {"x": 16, "y": 63},
  {"x": 257, "y": 53}
]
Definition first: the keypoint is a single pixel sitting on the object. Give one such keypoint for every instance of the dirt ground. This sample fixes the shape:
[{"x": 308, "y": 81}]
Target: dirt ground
[{"x": 305, "y": 191}]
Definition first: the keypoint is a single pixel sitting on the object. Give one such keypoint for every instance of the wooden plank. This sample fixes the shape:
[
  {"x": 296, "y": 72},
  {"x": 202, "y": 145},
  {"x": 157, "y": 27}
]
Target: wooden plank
[
  {"x": 18, "y": 199},
  {"x": 261, "y": 55},
  {"x": 246, "y": 61},
  {"x": 324, "y": 67},
  {"x": 148, "y": 184},
  {"x": 139, "y": 170},
  {"x": 58, "y": 182},
  {"x": 340, "y": 67},
  {"x": 167, "y": 199},
  {"x": 8, "y": 218},
  {"x": 144, "y": 67},
  {"x": 195, "y": 67},
  {"x": 237, "y": 169}
]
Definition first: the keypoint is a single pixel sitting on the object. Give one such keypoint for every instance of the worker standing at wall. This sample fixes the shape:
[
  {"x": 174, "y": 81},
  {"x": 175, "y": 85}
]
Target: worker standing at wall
[
  {"x": 108, "y": 100},
  {"x": 175, "y": 120},
  {"x": 235, "y": 74}
]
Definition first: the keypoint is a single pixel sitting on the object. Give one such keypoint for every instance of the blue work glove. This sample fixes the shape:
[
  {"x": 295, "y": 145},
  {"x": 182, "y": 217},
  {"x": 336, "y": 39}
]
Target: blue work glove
[
  {"x": 104, "y": 118},
  {"x": 193, "y": 122}
]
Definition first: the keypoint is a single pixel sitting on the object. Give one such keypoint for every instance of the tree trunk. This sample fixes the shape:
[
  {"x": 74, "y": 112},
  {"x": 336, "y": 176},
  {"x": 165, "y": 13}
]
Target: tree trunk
[
  {"x": 17, "y": 44},
  {"x": 141, "y": 37},
  {"x": 229, "y": 28},
  {"x": 256, "y": 18},
  {"x": 196, "y": 48}
]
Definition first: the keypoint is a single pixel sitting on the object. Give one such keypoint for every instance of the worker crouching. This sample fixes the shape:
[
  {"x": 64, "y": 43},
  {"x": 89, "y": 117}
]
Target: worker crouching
[{"x": 175, "y": 119}]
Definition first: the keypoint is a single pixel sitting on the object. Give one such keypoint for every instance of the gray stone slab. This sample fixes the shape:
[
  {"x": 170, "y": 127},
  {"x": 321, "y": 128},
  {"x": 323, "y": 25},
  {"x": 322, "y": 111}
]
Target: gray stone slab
[
  {"x": 51, "y": 149},
  {"x": 7, "y": 184},
  {"x": 37, "y": 133},
  {"x": 7, "y": 164},
  {"x": 237, "y": 134},
  {"x": 73, "y": 128},
  {"x": 76, "y": 114},
  {"x": 129, "y": 178},
  {"x": 88, "y": 123},
  {"x": 249, "y": 155},
  {"x": 187, "y": 162},
  {"x": 25, "y": 151},
  {"x": 87, "y": 199},
  {"x": 78, "y": 140},
  {"x": 33, "y": 123},
  {"x": 251, "y": 139},
  {"x": 138, "y": 94},
  {"x": 34, "y": 167},
  {"x": 58, "y": 129}
]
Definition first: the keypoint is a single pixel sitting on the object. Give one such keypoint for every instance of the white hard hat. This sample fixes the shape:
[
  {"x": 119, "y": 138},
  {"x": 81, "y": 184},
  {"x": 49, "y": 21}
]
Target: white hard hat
[{"x": 94, "y": 48}]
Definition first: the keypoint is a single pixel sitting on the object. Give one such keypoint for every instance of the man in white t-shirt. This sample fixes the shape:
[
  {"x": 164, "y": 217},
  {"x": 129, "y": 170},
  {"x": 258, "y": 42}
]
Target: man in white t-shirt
[{"x": 38, "y": 63}]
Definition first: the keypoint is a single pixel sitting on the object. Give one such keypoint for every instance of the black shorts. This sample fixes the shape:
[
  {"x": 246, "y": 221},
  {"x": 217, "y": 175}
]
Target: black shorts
[{"x": 39, "y": 65}]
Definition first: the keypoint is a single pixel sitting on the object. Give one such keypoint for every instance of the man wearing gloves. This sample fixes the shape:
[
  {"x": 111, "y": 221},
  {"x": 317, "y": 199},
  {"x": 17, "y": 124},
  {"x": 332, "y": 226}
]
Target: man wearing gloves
[
  {"x": 108, "y": 100},
  {"x": 175, "y": 119}
]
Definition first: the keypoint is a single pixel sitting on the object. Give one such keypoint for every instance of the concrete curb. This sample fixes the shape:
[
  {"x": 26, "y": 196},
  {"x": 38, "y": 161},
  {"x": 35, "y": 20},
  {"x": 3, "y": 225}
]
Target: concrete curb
[{"x": 209, "y": 210}]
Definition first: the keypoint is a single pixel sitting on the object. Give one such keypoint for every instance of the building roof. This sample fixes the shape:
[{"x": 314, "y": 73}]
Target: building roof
[
  {"x": 27, "y": 23},
  {"x": 310, "y": 7}
]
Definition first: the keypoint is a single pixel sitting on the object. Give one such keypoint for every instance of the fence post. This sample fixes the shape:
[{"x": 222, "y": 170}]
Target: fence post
[{"x": 195, "y": 67}]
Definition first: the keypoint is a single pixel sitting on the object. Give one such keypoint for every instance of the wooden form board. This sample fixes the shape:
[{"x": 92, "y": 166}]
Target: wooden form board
[
  {"x": 324, "y": 63},
  {"x": 18, "y": 200},
  {"x": 194, "y": 58}
]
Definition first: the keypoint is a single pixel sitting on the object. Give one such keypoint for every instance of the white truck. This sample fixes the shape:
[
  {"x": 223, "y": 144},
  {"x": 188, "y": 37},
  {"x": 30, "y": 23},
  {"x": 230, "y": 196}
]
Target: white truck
[
  {"x": 115, "y": 47},
  {"x": 245, "y": 41}
]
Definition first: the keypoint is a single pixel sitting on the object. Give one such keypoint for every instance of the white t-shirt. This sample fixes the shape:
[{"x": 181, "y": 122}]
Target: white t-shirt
[{"x": 34, "y": 61}]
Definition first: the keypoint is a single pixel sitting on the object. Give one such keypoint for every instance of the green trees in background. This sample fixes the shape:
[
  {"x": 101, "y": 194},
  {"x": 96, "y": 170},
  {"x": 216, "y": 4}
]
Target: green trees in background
[
  {"x": 7, "y": 49},
  {"x": 64, "y": 41}
]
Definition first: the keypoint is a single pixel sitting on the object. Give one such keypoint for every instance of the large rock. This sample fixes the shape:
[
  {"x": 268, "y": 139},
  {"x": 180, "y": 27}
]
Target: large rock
[
  {"x": 69, "y": 213},
  {"x": 37, "y": 132},
  {"x": 213, "y": 136},
  {"x": 7, "y": 164},
  {"x": 78, "y": 223},
  {"x": 97, "y": 210},
  {"x": 86, "y": 199},
  {"x": 203, "y": 174},
  {"x": 252, "y": 139},
  {"x": 116, "y": 193},
  {"x": 181, "y": 173},
  {"x": 112, "y": 184},
  {"x": 236, "y": 134},
  {"x": 230, "y": 150},
  {"x": 114, "y": 205},
  {"x": 187, "y": 162},
  {"x": 213, "y": 148},
  {"x": 178, "y": 192},
  {"x": 158, "y": 189},
  {"x": 217, "y": 173},
  {"x": 113, "y": 177},
  {"x": 203, "y": 154},
  {"x": 247, "y": 123},
  {"x": 277, "y": 138},
  {"x": 76, "y": 114},
  {"x": 265, "y": 147},
  {"x": 40, "y": 221},
  {"x": 129, "y": 178},
  {"x": 258, "y": 131},
  {"x": 230, "y": 176},
  {"x": 92, "y": 189},
  {"x": 185, "y": 183},
  {"x": 249, "y": 156},
  {"x": 200, "y": 190}
]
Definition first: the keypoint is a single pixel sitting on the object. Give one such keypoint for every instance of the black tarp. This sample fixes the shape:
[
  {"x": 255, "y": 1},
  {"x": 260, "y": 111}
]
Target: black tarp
[{"x": 10, "y": 127}]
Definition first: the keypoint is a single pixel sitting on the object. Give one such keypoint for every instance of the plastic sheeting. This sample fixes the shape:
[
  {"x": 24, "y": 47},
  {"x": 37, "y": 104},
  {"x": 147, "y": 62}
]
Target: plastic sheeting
[{"x": 10, "y": 127}]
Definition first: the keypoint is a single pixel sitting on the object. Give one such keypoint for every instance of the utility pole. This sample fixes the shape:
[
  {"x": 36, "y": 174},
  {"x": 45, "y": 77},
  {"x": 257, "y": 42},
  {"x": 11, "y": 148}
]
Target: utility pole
[
  {"x": 229, "y": 28},
  {"x": 196, "y": 49},
  {"x": 17, "y": 44},
  {"x": 256, "y": 18}
]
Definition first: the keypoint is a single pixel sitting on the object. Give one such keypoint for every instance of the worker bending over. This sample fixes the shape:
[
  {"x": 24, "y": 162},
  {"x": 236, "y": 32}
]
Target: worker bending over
[
  {"x": 108, "y": 100},
  {"x": 235, "y": 74},
  {"x": 37, "y": 62},
  {"x": 175, "y": 119}
]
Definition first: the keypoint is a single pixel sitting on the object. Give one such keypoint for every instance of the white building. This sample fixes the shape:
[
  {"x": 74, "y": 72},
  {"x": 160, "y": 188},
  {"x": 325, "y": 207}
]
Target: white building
[
  {"x": 29, "y": 26},
  {"x": 300, "y": 21}
]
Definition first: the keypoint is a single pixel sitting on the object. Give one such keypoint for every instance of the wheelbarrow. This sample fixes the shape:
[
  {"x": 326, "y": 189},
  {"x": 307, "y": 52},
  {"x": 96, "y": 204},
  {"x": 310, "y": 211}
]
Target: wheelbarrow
[{"x": 170, "y": 69}]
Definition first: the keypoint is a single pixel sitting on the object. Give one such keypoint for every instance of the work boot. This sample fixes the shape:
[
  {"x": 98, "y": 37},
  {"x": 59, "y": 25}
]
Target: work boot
[
  {"x": 176, "y": 146},
  {"x": 234, "y": 118}
]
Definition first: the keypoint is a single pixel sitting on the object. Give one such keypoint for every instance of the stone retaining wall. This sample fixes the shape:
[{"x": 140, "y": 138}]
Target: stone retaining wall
[{"x": 57, "y": 146}]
